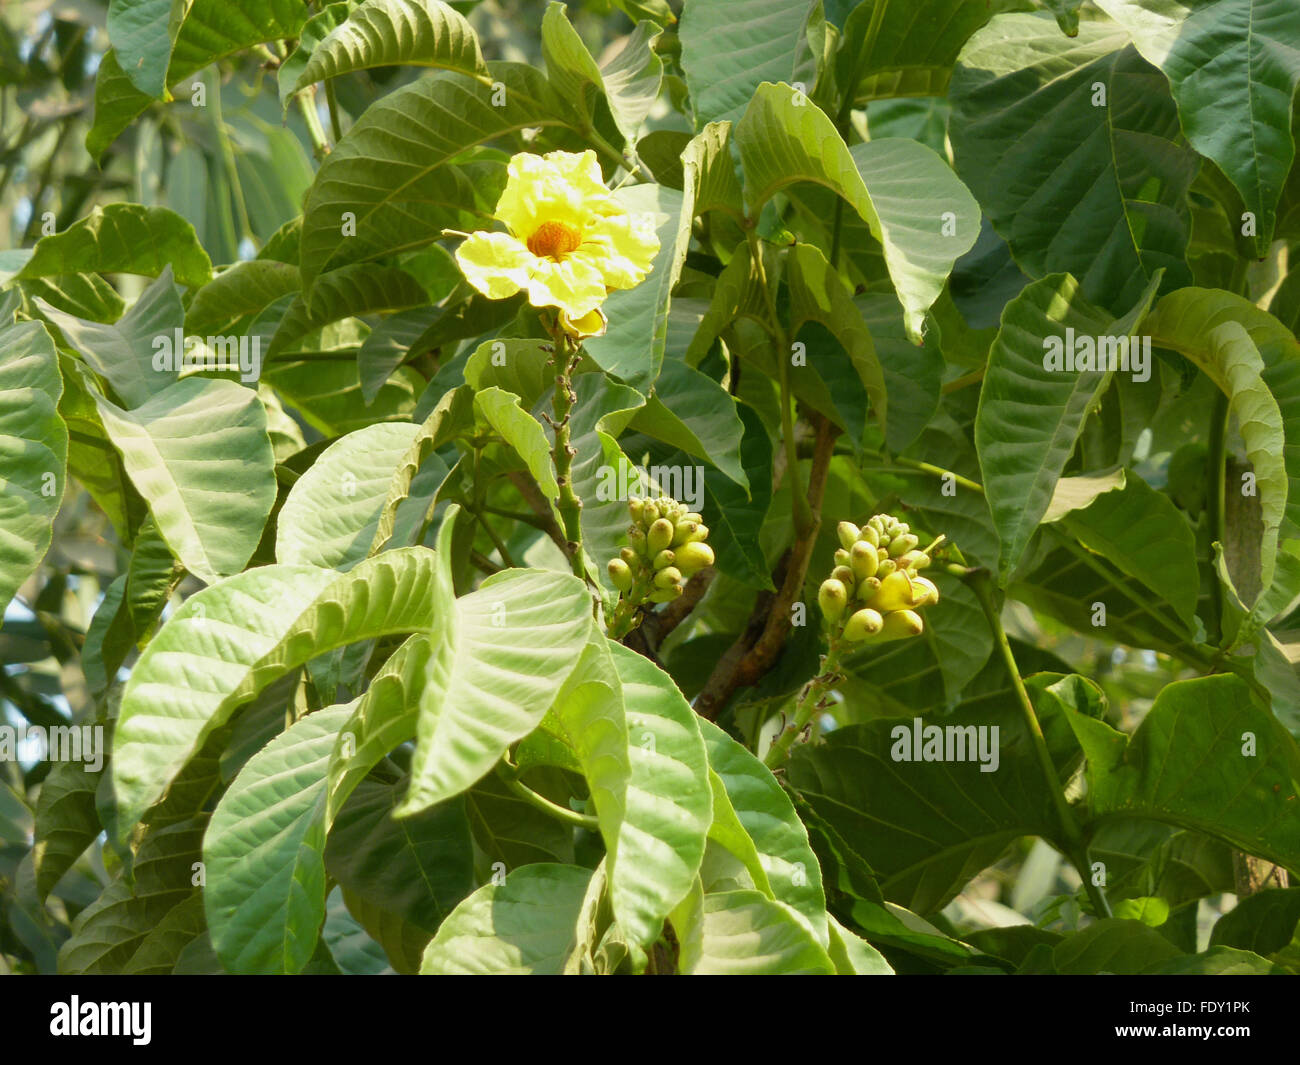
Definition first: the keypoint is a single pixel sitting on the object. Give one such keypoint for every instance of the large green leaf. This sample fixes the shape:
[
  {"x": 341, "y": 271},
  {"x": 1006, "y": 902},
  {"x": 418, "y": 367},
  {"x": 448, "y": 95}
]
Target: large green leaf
[
  {"x": 265, "y": 894},
  {"x": 691, "y": 411},
  {"x": 382, "y": 33},
  {"x": 522, "y": 432},
  {"x": 124, "y": 238},
  {"x": 34, "y": 458},
  {"x": 133, "y": 29},
  {"x": 1202, "y": 327},
  {"x": 526, "y": 925},
  {"x": 123, "y": 353},
  {"x": 907, "y": 47},
  {"x": 922, "y": 215},
  {"x": 345, "y": 293},
  {"x": 628, "y": 84},
  {"x": 746, "y": 933},
  {"x": 331, "y": 516},
  {"x": 729, "y": 47},
  {"x": 212, "y": 29},
  {"x": 418, "y": 868},
  {"x": 397, "y": 189},
  {"x": 1030, "y": 412},
  {"x": 1205, "y": 758},
  {"x": 927, "y": 826},
  {"x": 228, "y": 642},
  {"x": 500, "y": 656},
  {"x": 1233, "y": 67},
  {"x": 1112, "y": 210},
  {"x": 788, "y": 867},
  {"x": 664, "y": 800},
  {"x": 1141, "y": 532},
  {"x": 199, "y": 454}
]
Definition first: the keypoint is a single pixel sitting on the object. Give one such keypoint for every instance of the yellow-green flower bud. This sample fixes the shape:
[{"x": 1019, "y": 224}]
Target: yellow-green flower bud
[
  {"x": 683, "y": 531},
  {"x": 848, "y": 533},
  {"x": 845, "y": 575},
  {"x": 621, "y": 574},
  {"x": 659, "y": 536},
  {"x": 914, "y": 560},
  {"x": 877, "y": 522},
  {"x": 886, "y": 567},
  {"x": 667, "y": 577},
  {"x": 699, "y": 534},
  {"x": 628, "y": 555},
  {"x": 899, "y": 625},
  {"x": 636, "y": 540},
  {"x": 902, "y": 544},
  {"x": 863, "y": 560},
  {"x": 693, "y": 556},
  {"x": 666, "y": 595},
  {"x": 664, "y": 559},
  {"x": 866, "y": 589},
  {"x": 832, "y": 597},
  {"x": 635, "y": 508},
  {"x": 870, "y": 535},
  {"x": 865, "y": 622},
  {"x": 649, "y": 513},
  {"x": 842, "y": 557}
]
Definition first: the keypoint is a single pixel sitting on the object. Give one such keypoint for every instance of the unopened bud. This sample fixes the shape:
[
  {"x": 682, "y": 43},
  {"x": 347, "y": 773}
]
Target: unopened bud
[
  {"x": 621, "y": 574},
  {"x": 659, "y": 536},
  {"x": 899, "y": 625},
  {"x": 666, "y": 595},
  {"x": 832, "y": 597},
  {"x": 693, "y": 556},
  {"x": 845, "y": 575},
  {"x": 865, "y": 622},
  {"x": 664, "y": 559},
  {"x": 863, "y": 560},
  {"x": 848, "y": 533},
  {"x": 902, "y": 544},
  {"x": 667, "y": 577}
]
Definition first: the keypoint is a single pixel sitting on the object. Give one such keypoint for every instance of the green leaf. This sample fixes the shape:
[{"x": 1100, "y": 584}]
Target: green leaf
[
  {"x": 691, "y": 411},
  {"x": 123, "y": 238},
  {"x": 818, "y": 294},
  {"x": 382, "y": 33},
  {"x": 160, "y": 951},
  {"x": 418, "y": 868},
  {"x": 927, "y": 826},
  {"x": 33, "y": 463},
  {"x": 500, "y": 656},
  {"x": 1160, "y": 772},
  {"x": 326, "y": 20},
  {"x": 199, "y": 454},
  {"x": 1194, "y": 323},
  {"x": 1233, "y": 70},
  {"x": 908, "y": 48},
  {"x": 332, "y": 512},
  {"x": 1030, "y": 412},
  {"x": 522, "y": 432},
  {"x": 1112, "y": 211},
  {"x": 730, "y": 46},
  {"x": 913, "y": 375},
  {"x": 265, "y": 894},
  {"x": 212, "y": 30},
  {"x": 1113, "y": 946},
  {"x": 66, "y": 822},
  {"x": 853, "y": 955},
  {"x": 133, "y": 29},
  {"x": 398, "y": 190},
  {"x": 523, "y": 926},
  {"x": 123, "y": 353},
  {"x": 244, "y": 289},
  {"x": 1142, "y": 533},
  {"x": 632, "y": 347},
  {"x": 228, "y": 642},
  {"x": 903, "y": 190},
  {"x": 746, "y": 933},
  {"x": 788, "y": 868},
  {"x": 347, "y": 292},
  {"x": 1264, "y": 923}
]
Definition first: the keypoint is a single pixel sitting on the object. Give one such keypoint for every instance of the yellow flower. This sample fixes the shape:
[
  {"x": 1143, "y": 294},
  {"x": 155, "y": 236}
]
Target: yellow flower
[{"x": 570, "y": 241}]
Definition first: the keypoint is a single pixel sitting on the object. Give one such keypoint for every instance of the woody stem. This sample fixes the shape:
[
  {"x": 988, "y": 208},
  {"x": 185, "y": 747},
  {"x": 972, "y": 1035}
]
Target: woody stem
[
  {"x": 570, "y": 506},
  {"x": 809, "y": 699}
]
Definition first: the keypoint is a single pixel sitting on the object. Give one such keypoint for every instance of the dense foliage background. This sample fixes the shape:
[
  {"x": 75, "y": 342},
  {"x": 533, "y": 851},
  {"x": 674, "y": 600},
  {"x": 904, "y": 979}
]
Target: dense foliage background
[{"x": 334, "y": 749}]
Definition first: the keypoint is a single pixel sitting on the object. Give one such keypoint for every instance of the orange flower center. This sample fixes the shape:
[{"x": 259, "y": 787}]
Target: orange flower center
[{"x": 553, "y": 240}]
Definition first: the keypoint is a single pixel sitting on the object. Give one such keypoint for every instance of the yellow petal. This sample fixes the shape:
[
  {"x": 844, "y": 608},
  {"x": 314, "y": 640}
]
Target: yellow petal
[
  {"x": 559, "y": 187},
  {"x": 496, "y": 264},
  {"x": 573, "y": 285},
  {"x": 589, "y": 325},
  {"x": 622, "y": 247}
]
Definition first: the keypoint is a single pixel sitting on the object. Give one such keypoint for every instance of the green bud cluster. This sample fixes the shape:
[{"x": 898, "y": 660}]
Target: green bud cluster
[
  {"x": 875, "y": 592},
  {"x": 665, "y": 547}
]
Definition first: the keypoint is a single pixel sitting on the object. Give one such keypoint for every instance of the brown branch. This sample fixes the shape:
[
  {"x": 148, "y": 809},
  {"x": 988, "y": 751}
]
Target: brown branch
[
  {"x": 655, "y": 626},
  {"x": 756, "y": 650}
]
